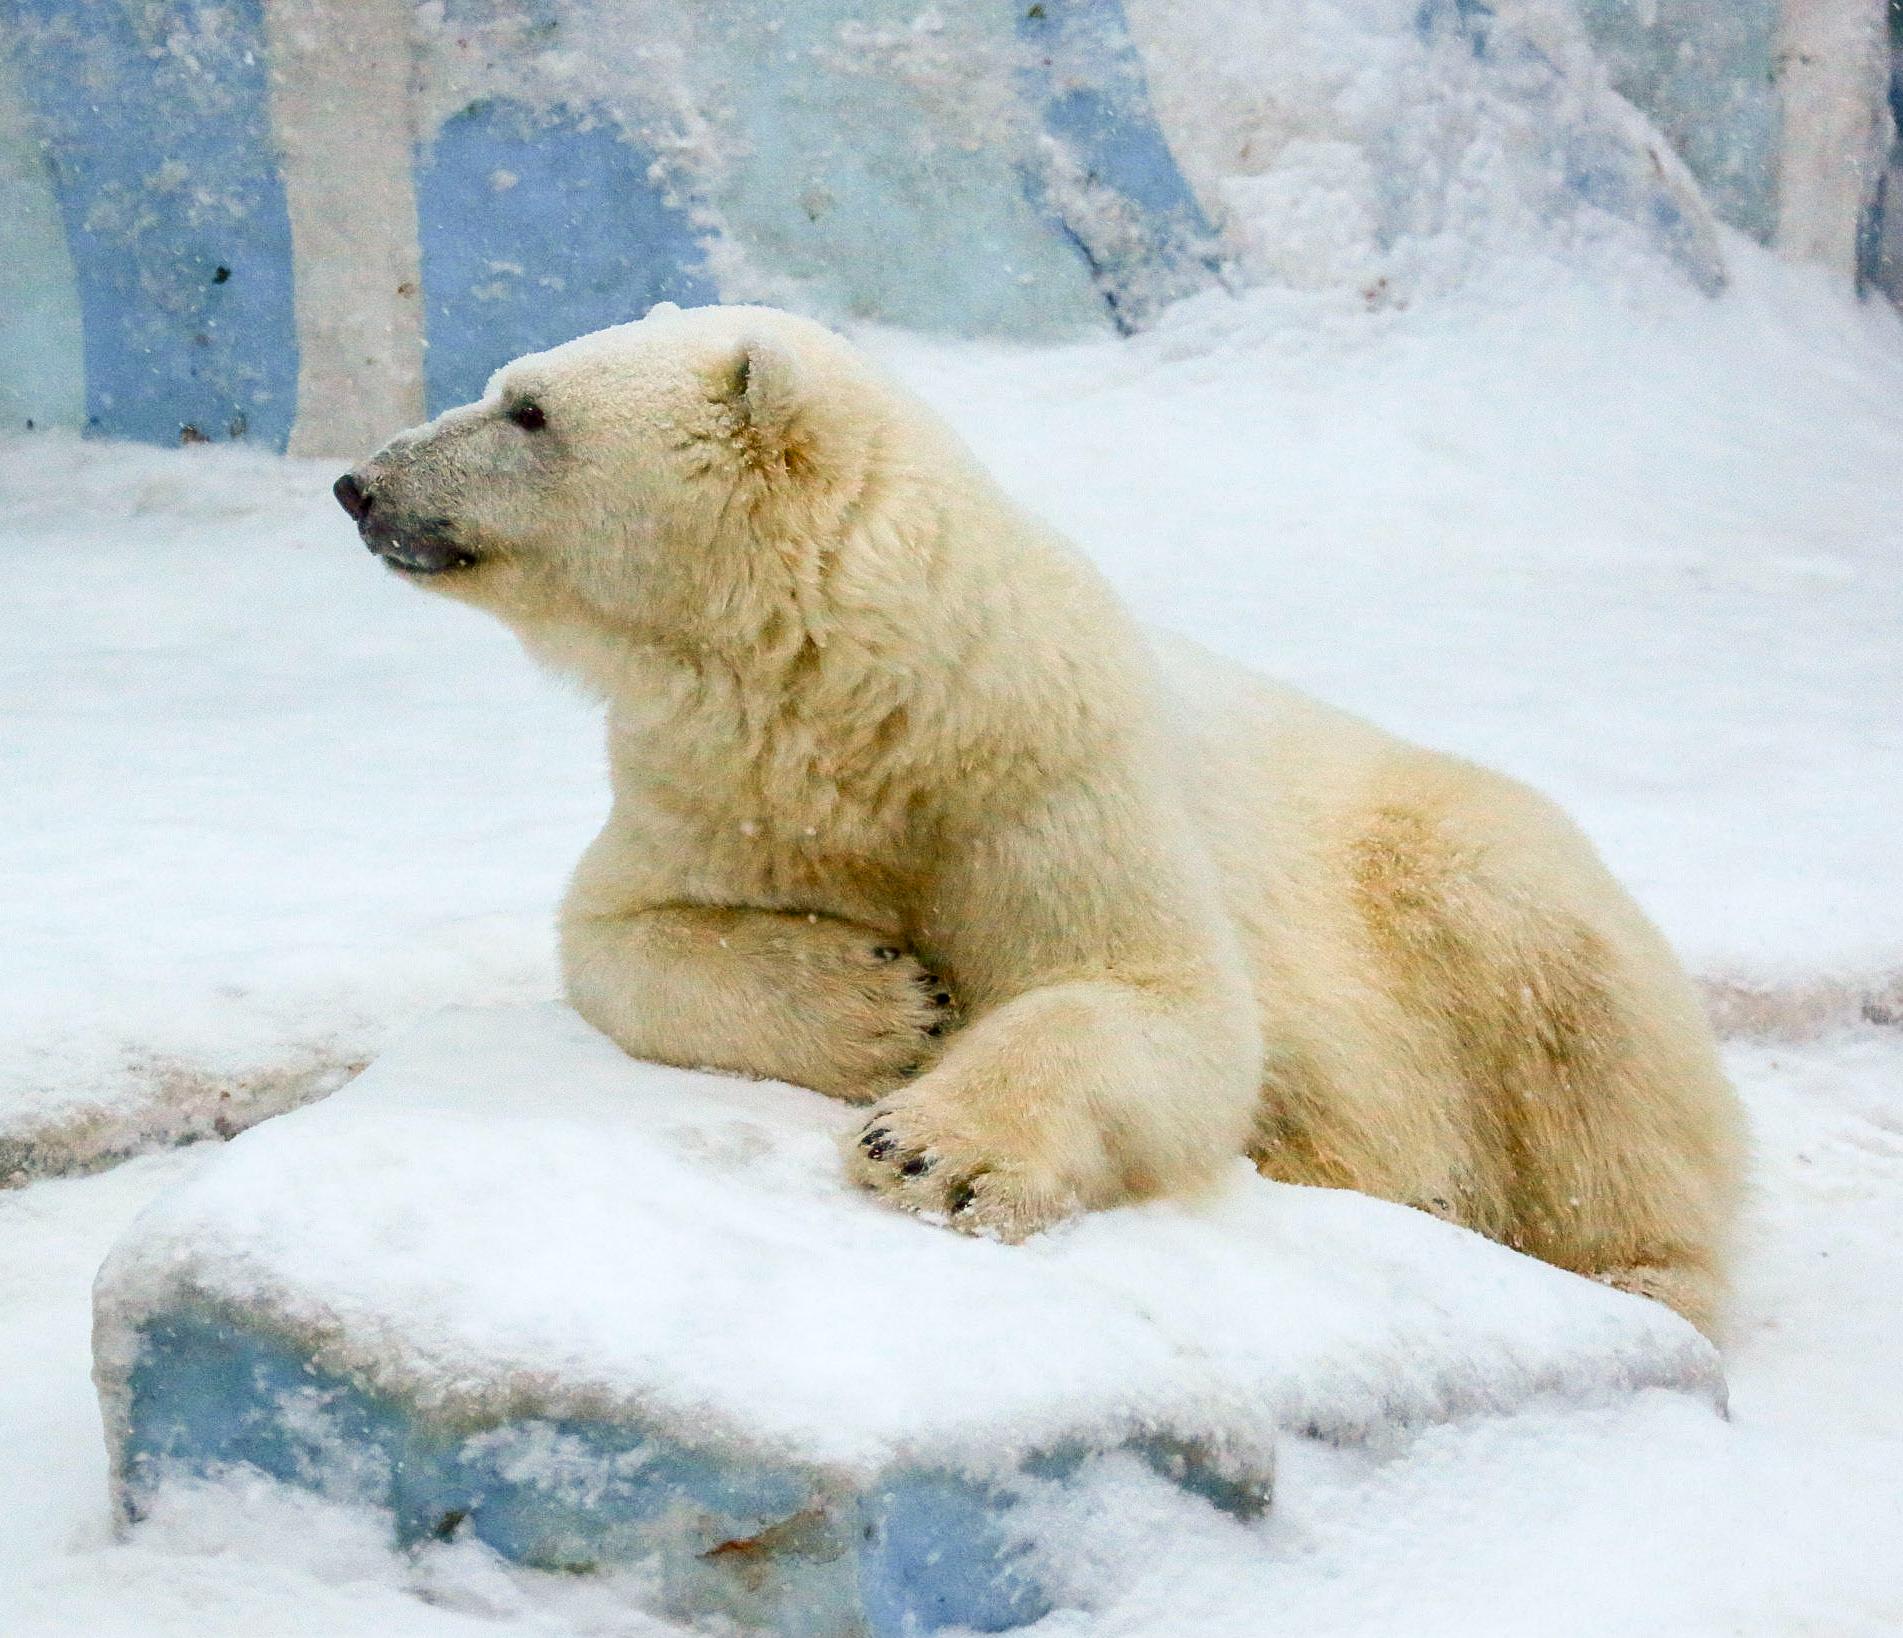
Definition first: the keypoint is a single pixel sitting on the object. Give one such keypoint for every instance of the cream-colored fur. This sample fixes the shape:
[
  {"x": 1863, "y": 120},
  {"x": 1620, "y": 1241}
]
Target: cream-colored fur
[{"x": 907, "y": 809}]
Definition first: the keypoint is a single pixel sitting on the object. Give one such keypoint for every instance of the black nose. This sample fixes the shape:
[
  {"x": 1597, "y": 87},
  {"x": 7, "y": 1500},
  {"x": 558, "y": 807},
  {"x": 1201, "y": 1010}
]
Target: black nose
[{"x": 352, "y": 496}]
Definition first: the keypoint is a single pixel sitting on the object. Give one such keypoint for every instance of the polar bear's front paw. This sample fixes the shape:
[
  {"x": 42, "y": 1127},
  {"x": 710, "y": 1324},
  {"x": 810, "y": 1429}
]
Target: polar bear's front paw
[
  {"x": 925, "y": 1164},
  {"x": 885, "y": 1019},
  {"x": 866, "y": 1015}
]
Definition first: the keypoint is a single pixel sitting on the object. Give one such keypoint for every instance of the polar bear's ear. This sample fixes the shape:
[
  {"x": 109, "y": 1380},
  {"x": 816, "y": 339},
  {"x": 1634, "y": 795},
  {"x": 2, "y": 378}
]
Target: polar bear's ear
[
  {"x": 766, "y": 390},
  {"x": 767, "y": 383},
  {"x": 661, "y": 309}
]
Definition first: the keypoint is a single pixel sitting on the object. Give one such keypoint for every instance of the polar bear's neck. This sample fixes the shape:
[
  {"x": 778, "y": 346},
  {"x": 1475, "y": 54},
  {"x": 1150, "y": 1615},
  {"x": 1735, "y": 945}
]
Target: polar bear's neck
[{"x": 989, "y": 652}]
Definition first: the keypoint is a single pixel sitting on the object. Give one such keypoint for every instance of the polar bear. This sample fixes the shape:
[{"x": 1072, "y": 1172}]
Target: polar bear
[{"x": 906, "y": 808}]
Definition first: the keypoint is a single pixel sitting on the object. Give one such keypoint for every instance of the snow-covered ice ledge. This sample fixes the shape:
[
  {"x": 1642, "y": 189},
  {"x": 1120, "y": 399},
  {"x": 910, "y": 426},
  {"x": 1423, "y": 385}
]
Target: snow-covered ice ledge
[{"x": 592, "y": 1311}]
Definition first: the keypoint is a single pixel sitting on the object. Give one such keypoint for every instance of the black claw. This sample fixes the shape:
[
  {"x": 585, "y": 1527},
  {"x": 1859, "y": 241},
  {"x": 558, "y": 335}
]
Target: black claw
[
  {"x": 914, "y": 1166},
  {"x": 872, "y": 1135},
  {"x": 960, "y": 1195},
  {"x": 936, "y": 1029},
  {"x": 943, "y": 998}
]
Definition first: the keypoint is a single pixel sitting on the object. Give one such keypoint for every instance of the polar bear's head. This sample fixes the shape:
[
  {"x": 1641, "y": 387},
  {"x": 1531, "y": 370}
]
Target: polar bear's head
[{"x": 657, "y": 479}]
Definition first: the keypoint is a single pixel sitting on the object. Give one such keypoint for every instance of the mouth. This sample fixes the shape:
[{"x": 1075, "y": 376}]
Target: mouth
[{"x": 429, "y": 549}]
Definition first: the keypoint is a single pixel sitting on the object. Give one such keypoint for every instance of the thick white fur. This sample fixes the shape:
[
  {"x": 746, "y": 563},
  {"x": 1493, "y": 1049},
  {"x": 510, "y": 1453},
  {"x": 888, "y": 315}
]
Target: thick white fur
[{"x": 874, "y": 731}]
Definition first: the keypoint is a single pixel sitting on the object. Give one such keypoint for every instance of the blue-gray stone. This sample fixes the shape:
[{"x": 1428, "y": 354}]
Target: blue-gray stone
[{"x": 914, "y": 1549}]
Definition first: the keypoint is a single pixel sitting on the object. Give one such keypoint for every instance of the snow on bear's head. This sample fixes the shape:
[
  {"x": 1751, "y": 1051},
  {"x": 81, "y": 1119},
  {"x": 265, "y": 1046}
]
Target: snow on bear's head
[{"x": 667, "y": 479}]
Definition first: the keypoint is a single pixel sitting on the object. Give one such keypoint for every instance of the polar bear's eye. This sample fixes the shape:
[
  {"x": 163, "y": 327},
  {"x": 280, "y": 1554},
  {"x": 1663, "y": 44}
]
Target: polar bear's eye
[{"x": 528, "y": 415}]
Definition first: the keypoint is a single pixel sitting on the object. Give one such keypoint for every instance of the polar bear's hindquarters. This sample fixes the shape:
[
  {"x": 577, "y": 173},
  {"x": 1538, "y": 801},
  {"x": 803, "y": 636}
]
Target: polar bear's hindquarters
[{"x": 1465, "y": 1011}]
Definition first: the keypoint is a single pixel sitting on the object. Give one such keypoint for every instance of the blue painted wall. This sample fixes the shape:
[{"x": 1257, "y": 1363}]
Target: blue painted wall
[
  {"x": 1880, "y": 246},
  {"x": 1109, "y": 179},
  {"x": 157, "y": 129},
  {"x": 991, "y": 168},
  {"x": 537, "y": 227},
  {"x": 42, "y": 352},
  {"x": 141, "y": 162},
  {"x": 863, "y": 189},
  {"x": 1705, "y": 71}
]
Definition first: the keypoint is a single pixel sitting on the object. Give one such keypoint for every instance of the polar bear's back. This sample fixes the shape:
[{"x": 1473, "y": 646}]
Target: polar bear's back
[
  {"x": 1267, "y": 772},
  {"x": 1225, "y": 708},
  {"x": 1283, "y": 785}
]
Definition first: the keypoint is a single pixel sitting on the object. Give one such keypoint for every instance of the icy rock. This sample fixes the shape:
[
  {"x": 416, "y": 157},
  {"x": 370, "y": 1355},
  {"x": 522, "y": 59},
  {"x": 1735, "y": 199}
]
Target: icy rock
[{"x": 591, "y": 1311}]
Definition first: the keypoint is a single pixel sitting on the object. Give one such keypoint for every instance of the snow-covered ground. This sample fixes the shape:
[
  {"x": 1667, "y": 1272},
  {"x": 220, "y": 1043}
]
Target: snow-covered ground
[{"x": 264, "y": 806}]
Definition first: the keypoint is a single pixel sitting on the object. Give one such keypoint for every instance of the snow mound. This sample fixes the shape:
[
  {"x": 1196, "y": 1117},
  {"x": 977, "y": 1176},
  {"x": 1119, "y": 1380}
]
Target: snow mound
[{"x": 598, "y": 1309}]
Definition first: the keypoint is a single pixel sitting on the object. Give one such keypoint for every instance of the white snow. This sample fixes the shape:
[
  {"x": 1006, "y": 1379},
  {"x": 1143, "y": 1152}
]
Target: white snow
[
  {"x": 263, "y": 807},
  {"x": 232, "y": 857}
]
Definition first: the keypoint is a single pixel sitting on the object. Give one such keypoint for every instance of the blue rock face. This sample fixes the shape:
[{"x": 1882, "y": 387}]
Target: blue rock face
[{"x": 763, "y": 1542}]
